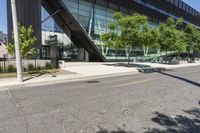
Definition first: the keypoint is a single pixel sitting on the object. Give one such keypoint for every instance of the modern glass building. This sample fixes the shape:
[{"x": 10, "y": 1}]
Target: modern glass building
[{"x": 78, "y": 24}]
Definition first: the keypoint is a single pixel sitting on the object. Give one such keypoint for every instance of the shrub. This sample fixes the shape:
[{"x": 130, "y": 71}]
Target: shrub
[
  {"x": 31, "y": 67},
  {"x": 11, "y": 69},
  {"x": 48, "y": 65},
  {"x": 1, "y": 69},
  {"x": 25, "y": 69},
  {"x": 39, "y": 68}
]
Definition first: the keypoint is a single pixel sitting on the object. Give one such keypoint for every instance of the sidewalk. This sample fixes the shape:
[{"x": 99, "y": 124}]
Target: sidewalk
[
  {"x": 84, "y": 70},
  {"x": 166, "y": 66}
]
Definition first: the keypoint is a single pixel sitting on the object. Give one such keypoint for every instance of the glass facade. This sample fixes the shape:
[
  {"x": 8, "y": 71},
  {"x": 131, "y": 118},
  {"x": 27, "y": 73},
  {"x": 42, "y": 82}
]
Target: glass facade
[
  {"x": 49, "y": 28},
  {"x": 177, "y": 3},
  {"x": 95, "y": 15}
]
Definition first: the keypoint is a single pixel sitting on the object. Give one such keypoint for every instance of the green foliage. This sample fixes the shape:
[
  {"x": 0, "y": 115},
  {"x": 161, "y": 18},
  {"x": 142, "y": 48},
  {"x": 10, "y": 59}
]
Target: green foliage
[
  {"x": 172, "y": 38},
  {"x": 192, "y": 38},
  {"x": 149, "y": 38},
  {"x": 133, "y": 31},
  {"x": 124, "y": 32},
  {"x": 11, "y": 69},
  {"x": 26, "y": 40},
  {"x": 48, "y": 66},
  {"x": 31, "y": 67},
  {"x": 39, "y": 68},
  {"x": 1, "y": 69}
]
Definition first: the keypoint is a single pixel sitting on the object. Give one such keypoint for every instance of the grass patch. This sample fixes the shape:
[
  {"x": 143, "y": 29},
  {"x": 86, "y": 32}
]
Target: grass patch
[{"x": 31, "y": 73}]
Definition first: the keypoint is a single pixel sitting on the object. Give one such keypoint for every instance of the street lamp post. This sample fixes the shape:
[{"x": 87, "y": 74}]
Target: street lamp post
[{"x": 16, "y": 39}]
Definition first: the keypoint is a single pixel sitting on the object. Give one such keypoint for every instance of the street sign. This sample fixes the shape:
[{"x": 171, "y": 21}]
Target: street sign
[{"x": 53, "y": 39}]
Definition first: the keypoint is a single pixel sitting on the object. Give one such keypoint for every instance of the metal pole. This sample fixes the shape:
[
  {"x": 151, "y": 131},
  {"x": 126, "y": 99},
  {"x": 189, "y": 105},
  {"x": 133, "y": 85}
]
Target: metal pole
[{"x": 17, "y": 46}]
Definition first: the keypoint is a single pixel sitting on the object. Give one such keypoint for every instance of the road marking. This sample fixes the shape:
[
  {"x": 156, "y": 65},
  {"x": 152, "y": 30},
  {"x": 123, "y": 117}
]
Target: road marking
[{"x": 133, "y": 83}]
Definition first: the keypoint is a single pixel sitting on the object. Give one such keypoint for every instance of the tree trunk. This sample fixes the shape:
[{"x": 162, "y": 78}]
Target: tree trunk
[
  {"x": 129, "y": 52},
  {"x": 128, "y": 59},
  {"x": 189, "y": 53},
  {"x": 143, "y": 50},
  {"x": 158, "y": 50},
  {"x": 116, "y": 54},
  {"x": 106, "y": 52},
  {"x": 147, "y": 51}
]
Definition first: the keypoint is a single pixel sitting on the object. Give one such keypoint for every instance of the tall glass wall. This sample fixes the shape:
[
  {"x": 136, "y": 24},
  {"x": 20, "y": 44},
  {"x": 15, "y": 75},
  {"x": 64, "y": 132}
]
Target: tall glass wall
[
  {"x": 66, "y": 50},
  {"x": 95, "y": 17}
]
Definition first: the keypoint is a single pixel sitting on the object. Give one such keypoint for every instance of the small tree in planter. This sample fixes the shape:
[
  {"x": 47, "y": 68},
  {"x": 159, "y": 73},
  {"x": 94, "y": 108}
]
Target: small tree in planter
[
  {"x": 149, "y": 39},
  {"x": 124, "y": 32},
  {"x": 26, "y": 40},
  {"x": 172, "y": 38},
  {"x": 192, "y": 39}
]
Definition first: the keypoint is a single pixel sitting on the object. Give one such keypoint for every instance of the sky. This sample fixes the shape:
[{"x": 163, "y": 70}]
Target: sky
[
  {"x": 193, "y": 3},
  {"x": 3, "y": 12},
  {"x": 3, "y": 16}
]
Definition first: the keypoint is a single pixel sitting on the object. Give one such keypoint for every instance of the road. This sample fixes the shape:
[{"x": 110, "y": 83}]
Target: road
[{"x": 158, "y": 102}]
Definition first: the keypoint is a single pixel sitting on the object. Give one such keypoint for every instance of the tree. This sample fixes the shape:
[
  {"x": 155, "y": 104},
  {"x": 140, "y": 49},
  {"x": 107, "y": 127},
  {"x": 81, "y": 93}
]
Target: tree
[
  {"x": 125, "y": 32},
  {"x": 149, "y": 39},
  {"x": 26, "y": 40},
  {"x": 111, "y": 39},
  {"x": 192, "y": 39},
  {"x": 172, "y": 38}
]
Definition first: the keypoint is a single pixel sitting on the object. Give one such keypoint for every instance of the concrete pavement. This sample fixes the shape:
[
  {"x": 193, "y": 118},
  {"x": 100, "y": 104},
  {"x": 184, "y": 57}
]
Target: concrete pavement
[
  {"x": 81, "y": 70},
  {"x": 159, "y": 102}
]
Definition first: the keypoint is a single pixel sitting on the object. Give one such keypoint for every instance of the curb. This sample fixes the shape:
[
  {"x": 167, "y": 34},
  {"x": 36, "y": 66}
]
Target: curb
[
  {"x": 82, "y": 78},
  {"x": 78, "y": 78}
]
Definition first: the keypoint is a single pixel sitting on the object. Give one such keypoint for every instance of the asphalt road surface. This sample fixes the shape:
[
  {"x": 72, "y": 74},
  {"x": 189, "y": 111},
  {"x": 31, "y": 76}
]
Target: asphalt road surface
[{"x": 158, "y": 102}]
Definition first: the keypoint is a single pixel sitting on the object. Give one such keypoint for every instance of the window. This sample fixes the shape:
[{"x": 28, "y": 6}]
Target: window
[
  {"x": 176, "y": 3},
  {"x": 124, "y": 10},
  {"x": 102, "y": 2},
  {"x": 184, "y": 7},
  {"x": 172, "y": 1},
  {"x": 180, "y": 4},
  {"x": 190, "y": 10},
  {"x": 187, "y": 8},
  {"x": 113, "y": 6}
]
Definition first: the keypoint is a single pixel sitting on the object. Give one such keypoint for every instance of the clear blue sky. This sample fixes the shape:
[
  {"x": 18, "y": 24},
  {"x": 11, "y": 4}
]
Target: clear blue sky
[
  {"x": 193, "y": 3},
  {"x": 3, "y": 15}
]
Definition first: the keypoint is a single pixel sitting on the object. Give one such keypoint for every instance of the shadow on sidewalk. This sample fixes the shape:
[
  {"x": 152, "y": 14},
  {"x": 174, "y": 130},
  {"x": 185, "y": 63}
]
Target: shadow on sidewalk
[
  {"x": 140, "y": 67},
  {"x": 36, "y": 75},
  {"x": 126, "y": 65}
]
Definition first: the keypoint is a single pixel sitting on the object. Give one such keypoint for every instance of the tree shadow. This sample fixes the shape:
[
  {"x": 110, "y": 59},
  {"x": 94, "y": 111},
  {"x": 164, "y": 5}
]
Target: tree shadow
[
  {"x": 140, "y": 67},
  {"x": 161, "y": 70},
  {"x": 177, "y": 124},
  {"x": 126, "y": 65},
  {"x": 38, "y": 74},
  {"x": 119, "y": 130},
  {"x": 180, "y": 78}
]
